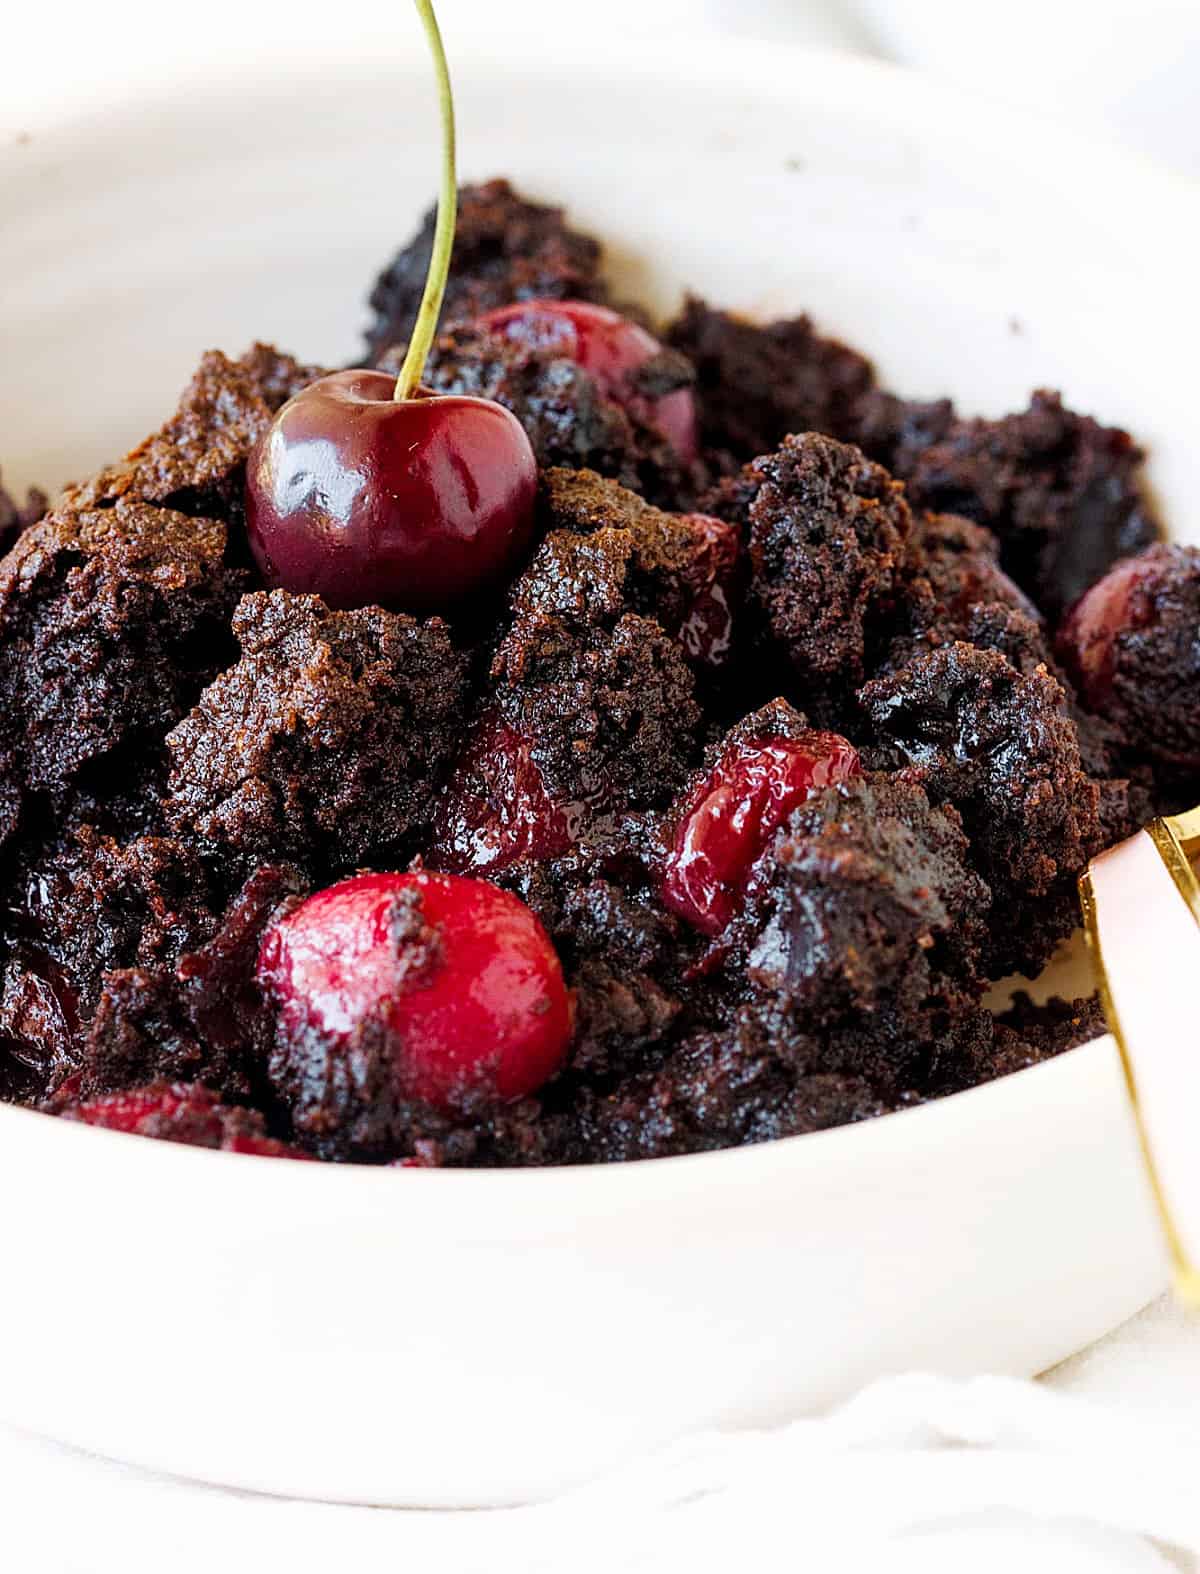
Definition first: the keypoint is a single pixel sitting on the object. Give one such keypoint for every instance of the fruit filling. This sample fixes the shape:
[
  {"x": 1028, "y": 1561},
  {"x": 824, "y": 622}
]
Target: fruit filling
[{"x": 735, "y": 810}]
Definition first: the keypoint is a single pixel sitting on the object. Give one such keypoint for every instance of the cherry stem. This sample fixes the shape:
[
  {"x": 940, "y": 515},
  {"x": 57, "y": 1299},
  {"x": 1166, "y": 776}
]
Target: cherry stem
[{"x": 447, "y": 211}]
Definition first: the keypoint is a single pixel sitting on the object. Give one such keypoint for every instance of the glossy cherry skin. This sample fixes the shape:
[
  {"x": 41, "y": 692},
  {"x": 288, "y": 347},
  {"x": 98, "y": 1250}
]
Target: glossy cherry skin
[
  {"x": 496, "y": 810},
  {"x": 610, "y": 348},
  {"x": 732, "y": 814},
  {"x": 1088, "y": 638},
  {"x": 416, "y": 505},
  {"x": 707, "y": 632},
  {"x": 477, "y": 1007},
  {"x": 190, "y": 1113}
]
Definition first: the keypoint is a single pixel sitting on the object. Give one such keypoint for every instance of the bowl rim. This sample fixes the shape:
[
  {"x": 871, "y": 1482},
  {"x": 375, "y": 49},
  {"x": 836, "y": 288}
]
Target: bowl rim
[
  {"x": 923, "y": 100},
  {"x": 901, "y": 96},
  {"x": 908, "y": 1130}
]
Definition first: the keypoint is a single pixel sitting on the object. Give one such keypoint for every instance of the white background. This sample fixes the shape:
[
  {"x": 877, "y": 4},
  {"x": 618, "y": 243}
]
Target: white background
[
  {"x": 1130, "y": 67},
  {"x": 1128, "y": 70}
]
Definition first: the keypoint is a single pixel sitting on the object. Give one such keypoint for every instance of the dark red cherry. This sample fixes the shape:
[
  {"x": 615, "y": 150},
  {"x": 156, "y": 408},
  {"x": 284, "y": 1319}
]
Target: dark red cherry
[
  {"x": 707, "y": 631},
  {"x": 366, "y": 489},
  {"x": 414, "y": 504},
  {"x": 455, "y": 978},
  {"x": 732, "y": 814},
  {"x": 610, "y": 348},
  {"x": 1087, "y": 640},
  {"x": 496, "y": 810},
  {"x": 179, "y": 1112}
]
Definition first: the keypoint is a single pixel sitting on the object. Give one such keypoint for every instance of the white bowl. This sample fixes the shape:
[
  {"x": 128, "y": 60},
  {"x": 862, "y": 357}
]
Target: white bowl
[{"x": 446, "y": 1338}]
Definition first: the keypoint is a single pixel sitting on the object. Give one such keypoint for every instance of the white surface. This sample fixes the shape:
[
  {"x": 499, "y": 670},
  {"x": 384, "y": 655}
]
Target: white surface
[
  {"x": 198, "y": 1526},
  {"x": 917, "y": 1476},
  {"x": 109, "y": 52},
  {"x": 1121, "y": 68},
  {"x": 444, "y": 1339}
]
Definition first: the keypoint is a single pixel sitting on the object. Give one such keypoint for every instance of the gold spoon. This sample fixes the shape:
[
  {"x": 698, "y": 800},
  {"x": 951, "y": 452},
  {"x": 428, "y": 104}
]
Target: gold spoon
[{"x": 1141, "y": 912}]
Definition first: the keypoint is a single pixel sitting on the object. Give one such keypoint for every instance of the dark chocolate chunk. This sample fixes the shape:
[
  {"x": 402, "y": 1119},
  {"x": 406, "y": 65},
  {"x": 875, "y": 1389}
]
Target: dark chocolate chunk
[{"x": 325, "y": 744}]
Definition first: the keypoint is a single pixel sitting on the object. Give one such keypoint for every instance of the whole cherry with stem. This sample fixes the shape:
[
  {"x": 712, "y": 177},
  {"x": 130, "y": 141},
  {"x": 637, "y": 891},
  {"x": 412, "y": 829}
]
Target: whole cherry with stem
[{"x": 364, "y": 490}]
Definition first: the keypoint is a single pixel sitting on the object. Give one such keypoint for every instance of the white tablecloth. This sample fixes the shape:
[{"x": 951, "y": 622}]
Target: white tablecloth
[{"x": 1093, "y": 1469}]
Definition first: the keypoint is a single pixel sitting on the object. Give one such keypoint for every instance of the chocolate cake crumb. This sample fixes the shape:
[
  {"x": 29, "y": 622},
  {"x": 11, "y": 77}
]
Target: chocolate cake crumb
[
  {"x": 111, "y": 622},
  {"x": 1001, "y": 747},
  {"x": 894, "y": 431},
  {"x": 826, "y": 534},
  {"x": 196, "y": 462},
  {"x": 201, "y": 1019},
  {"x": 97, "y": 906},
  {"x": 16, "y": 517},
  {"x": 785, "y": 781},
  {"x": 325, "y": 743},
  {"x": 757, "y": 384},
  {"x": 611, "y": 715},
  {"x": 959, "y": 565},
  {"x": 505, "y": 249},
  {"x": 1055, "y": 1025},
  {"x": 1061, "y": 492},
  {"x": 864, "y": 924},
  {"x": 716, "y": 1090},
  {"x": 604, "y": 552}
]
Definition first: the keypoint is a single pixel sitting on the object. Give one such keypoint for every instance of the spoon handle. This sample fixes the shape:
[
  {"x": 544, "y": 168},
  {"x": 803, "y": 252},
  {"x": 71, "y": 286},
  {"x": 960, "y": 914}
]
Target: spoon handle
[{"x": 1141, "y": 910}]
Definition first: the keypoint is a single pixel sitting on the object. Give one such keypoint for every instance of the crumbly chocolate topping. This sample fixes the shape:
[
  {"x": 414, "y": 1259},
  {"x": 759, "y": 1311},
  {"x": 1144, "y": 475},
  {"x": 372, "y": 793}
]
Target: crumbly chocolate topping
[{"x": 185, "y": 755}]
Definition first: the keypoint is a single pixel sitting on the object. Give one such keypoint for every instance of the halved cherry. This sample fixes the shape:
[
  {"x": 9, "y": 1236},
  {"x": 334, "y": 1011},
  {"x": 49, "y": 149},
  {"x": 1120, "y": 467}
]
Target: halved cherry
[{"x": 731, "y": 815}]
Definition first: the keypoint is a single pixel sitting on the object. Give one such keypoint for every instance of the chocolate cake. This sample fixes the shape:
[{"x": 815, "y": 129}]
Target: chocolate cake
[{"x": 791, "y": 726}]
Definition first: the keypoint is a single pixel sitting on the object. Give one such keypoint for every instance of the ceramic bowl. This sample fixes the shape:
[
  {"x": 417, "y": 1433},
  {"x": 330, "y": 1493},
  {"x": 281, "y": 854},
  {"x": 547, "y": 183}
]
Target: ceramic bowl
[{"x": 431, "y": 1338}]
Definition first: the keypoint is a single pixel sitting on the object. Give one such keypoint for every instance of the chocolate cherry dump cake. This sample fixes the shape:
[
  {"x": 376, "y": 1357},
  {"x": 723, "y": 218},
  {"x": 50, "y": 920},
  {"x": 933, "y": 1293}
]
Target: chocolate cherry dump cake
[{"x": 668, "y": 766}]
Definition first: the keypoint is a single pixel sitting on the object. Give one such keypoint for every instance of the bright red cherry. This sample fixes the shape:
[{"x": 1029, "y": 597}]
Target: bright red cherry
[
  {"x": 496, "y": 810},
  {"x": 180, "y": 1112},
  {"x": 367, "y": 490},
  {"x": 1088, "y": 638},
  {"x": 732, "y": 814},
  {"x": 415, "y": 504},
  {"x": 453, "y": 980},
  {"x": 610, "y": 348}
]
